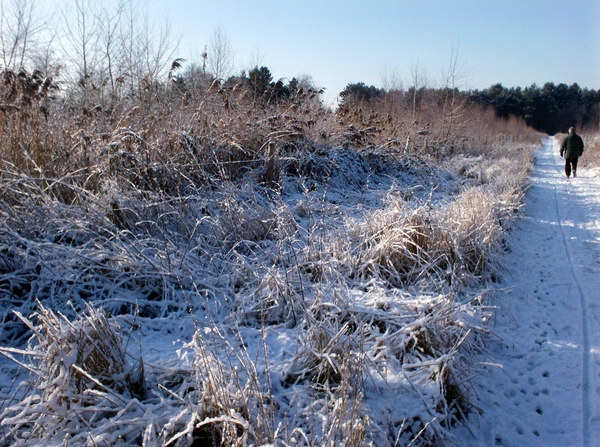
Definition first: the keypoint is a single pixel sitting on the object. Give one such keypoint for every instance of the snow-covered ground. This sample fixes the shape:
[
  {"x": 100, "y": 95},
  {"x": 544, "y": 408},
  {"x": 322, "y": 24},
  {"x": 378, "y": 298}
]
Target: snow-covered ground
[
  {"x": 540, "y": 374},
  {"x": 545, "y": 387}
]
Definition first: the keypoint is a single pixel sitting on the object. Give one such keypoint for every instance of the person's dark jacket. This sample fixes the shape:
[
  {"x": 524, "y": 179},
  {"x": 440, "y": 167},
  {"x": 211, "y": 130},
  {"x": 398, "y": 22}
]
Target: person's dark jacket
[{"x": 572, "y": 146}]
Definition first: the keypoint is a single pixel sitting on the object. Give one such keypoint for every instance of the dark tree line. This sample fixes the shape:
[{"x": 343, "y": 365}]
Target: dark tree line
[
  {"x": 258, "y": 82},
  {"x": 360, "y": 92},
  {"x": 550, "y": 109}
]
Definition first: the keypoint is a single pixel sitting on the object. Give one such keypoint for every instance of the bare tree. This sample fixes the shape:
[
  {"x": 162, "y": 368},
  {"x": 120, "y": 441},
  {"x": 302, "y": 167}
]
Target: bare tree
[
  {"x": 147, "y": 49},
  {"x": 109, "y": 23},
  {"x": 19, "y": 27},
  {"x": 256, "y": 59},
  {"x": 81, "y": 36},
  {"x": 419, "y": 82},
  {"x": 220, "y": 55},
  {"x": 159, "y": 47},
  {"x": 129, "y": 38},
  {"x": 390, "y": 80},
  {"x": 305, "y": 81},
  {"x": 454, "y": 104},
  {"x": 45, "y": 56}
]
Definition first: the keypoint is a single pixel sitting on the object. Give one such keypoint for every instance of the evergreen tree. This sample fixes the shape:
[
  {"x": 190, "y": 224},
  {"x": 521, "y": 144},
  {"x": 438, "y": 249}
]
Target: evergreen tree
[{"x": 551, "y": 108}]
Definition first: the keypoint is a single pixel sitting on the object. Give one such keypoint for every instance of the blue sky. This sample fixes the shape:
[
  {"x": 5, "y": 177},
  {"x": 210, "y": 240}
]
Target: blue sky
[{"x": 517, "y": 43}]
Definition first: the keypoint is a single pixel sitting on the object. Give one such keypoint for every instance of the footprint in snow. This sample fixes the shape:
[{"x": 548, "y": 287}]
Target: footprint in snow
[{"x": 510, "y": 393}]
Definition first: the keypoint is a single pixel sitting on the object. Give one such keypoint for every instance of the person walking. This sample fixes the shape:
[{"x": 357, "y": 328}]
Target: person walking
[{"x": 571, "y": 148}]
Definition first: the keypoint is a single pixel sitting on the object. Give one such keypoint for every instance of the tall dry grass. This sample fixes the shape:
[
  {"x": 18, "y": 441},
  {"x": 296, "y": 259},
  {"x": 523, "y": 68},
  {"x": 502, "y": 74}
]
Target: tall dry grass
[
  {"x": 591, "y": 155},
  {"x": 158, "y": 213}
]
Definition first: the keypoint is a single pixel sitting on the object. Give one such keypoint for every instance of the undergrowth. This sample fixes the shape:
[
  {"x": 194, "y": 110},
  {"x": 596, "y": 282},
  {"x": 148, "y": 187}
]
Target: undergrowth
[{"x": 168, "y": 277}]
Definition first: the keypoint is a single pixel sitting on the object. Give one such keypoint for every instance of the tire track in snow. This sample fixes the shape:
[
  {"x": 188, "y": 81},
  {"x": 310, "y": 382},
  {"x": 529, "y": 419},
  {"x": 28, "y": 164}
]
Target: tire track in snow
[
  {"x": 586, "y": 393},
  {"x": 587, "y": 388},
  {"x": 544, "y": 391}
]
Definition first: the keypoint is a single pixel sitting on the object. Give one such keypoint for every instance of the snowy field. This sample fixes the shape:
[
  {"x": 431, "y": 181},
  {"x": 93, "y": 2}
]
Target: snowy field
[
  {"x": 308, "y": 335},
  {"x": 542, "y": 387}
]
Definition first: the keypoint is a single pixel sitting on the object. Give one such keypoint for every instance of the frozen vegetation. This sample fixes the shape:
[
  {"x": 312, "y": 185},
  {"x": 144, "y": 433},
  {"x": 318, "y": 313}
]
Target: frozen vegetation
[
  {"x": 341, "y": 304},
  {"x": 191, "y": 260}
]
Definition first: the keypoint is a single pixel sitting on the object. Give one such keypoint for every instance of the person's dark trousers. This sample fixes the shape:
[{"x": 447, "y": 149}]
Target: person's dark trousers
[{"x": 571, "y": 165}]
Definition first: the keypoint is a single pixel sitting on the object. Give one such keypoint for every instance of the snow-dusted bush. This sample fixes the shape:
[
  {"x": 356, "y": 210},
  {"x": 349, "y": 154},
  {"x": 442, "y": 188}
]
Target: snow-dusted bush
[
  {"x": 407, "y": 243},
  {"x": 78, "y": 371},
  {"x": 591, "y": 155},
  {"x": 226, "y": 400}
]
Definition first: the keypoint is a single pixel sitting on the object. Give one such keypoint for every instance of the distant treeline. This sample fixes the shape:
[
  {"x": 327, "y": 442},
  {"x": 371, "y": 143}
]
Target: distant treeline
[{"x": 550, "y": 109}]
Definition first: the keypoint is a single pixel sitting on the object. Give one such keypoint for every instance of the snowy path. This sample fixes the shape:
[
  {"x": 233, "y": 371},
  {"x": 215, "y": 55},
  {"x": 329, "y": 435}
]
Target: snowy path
[{"x": 547, "y": 390}]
